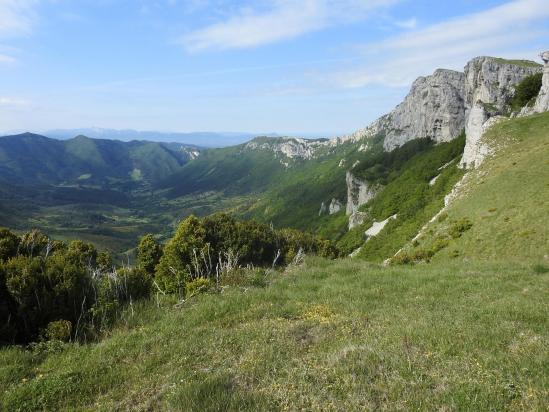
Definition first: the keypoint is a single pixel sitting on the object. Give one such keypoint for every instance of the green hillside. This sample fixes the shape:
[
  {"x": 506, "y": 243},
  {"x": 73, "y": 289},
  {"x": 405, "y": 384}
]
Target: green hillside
[
  {"x": 83, "y": 188},
  {"x": 505, "y": 201}
]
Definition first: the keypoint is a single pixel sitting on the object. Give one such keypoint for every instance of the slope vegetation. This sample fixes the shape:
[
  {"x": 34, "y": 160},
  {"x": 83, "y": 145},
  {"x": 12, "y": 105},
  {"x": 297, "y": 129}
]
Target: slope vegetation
[
  {"x": 340, "y": 335},
  {"x": 501, "y": 208}
]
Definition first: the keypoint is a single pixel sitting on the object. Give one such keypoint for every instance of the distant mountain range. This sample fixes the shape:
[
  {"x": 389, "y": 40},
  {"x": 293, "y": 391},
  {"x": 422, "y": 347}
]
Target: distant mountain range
[{"x": 202, "y": 139}]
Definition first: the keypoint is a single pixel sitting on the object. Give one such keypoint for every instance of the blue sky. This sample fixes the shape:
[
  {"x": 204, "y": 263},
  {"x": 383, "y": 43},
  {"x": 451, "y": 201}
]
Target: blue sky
[{"x": 287, "y": 66}]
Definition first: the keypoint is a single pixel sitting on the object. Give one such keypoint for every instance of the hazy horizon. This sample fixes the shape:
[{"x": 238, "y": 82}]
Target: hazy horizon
[{"x": 301, "y": 68}]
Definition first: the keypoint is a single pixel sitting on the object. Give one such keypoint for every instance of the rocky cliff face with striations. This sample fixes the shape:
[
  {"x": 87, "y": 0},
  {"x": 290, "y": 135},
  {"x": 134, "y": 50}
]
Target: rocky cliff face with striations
[
  {"x": 359, "y": 192},
  {"x": 434, "y": 108},
  {"x": 542, "y": 101},
  {"x": 489, "y": 85},
  {"x": 288, "y": 147}
]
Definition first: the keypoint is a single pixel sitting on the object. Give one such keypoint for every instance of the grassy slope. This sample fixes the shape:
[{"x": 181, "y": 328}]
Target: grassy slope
[
  {"x": 506, "y": 199},
  {"x": 340, "y": 335}
]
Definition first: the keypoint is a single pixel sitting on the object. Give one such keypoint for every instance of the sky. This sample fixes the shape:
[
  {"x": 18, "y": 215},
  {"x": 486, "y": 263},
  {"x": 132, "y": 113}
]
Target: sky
[{"x": 306, "y": 67}]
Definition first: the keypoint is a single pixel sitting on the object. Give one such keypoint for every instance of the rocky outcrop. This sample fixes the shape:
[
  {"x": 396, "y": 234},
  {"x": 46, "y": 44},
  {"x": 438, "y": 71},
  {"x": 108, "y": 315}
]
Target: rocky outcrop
[
  {"x": 358, "y": 192},
  {"x": 542, "y": 101},
  {"x": 357, "y": 218},
  {"x": 377, "y": 227},
  {"x": 288, "y": 147},
  {"x": 489, "y": 85},
  {"x": 322, "y": 209},
  {"x": 335, "y": 206},
  {"x": 434, "y": 108}
]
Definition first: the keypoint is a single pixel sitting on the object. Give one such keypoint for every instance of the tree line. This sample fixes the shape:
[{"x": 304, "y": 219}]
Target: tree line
[{"x": 54, "y": 290}]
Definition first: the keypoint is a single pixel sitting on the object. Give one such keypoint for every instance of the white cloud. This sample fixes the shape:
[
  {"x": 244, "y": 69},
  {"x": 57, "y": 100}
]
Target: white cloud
[
  {"x": 16, "y": 18},
  {"x": 407, "y": 24},
  {"x": 284, "y": 19},
  {"x": 503, "y": 30},
  {"x": 13, "y": 103},
  {"x": 7, "y": 59}
]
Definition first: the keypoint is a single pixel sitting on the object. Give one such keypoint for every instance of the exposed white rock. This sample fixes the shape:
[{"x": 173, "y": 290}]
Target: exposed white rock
[
  {"x": 358, "y": 192},
  {"x": 489, "y": 85},
  {"x": 322, "y": 209},
  {"x": 289, "y": 147},
  {"x": 434, "y": 108},
  {"x": 363, "y": 147},
  {"x": 335, "y": 206},
  {"x": 476, "y": 149},
  {"x": 357, "y": 218},
  {"x": 433, "y": 180},
  {"x": 355, "y": 164},
  {"x": 341, "y": 163},
  {"x": 378, "y": 227},
  {"x": 542, "y": 101}
]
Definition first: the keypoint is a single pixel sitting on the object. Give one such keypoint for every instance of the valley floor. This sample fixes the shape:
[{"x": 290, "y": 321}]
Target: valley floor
[{"x": 330, "y": 335}]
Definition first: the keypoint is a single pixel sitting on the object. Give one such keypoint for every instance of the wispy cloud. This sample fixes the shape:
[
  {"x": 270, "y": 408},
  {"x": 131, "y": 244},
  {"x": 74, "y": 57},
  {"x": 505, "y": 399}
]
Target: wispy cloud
[
  {"x": 284, "y": 19},
  {"x": 14, "y": 103},
  {"x": 407, "y": 24},
  {"x": 16, "y": 18},
  {"x": 397, "y": 61}
]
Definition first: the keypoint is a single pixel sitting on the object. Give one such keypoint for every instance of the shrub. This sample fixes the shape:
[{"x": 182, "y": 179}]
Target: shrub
[
  {"x": 9, "y": 243},
  {"x": 526, "y": 91},
  {"x": 174, "y": 268},
  {"x": 149, "y": 253},
  {"x": 459, "y": 227},
  {"x": 439, "y": 244},
  {"x": 46, "y": 290},
  {"x": 58, "y": 330},
  {"x": 197, "y": 286}
]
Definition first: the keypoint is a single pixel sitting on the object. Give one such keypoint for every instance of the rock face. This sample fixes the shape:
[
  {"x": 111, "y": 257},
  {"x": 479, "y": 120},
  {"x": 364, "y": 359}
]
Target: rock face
[
  {"x": 335, "y": 206},
  {"x": 434, "y": 108},
  {"x": 542, "y": 101},
  {"x": 357, "y": 218},
  {"x": 489, "y": 85},
  {"x": 288, "y": 147},
  {"x": 358, "y": 192}
]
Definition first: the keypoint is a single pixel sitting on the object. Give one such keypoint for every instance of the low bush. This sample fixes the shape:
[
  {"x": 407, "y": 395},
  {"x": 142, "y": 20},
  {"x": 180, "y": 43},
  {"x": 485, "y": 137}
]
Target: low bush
[
  {"x": 459, "y": 227},
  {"x": 196, "y": 286}
]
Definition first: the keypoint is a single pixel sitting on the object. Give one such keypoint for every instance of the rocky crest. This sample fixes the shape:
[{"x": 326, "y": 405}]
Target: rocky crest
[
  {"x": 489, "y": 85},
  {"x": 358, "y": 193},
  {"x": 542, "y": 102},
  {"x": 288, "y": 147}
]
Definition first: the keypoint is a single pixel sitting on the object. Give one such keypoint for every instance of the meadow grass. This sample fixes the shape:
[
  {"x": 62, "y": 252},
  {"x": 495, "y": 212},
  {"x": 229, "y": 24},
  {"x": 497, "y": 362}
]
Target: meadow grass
[
  {"x": 506, "y": 199},
  {"x": 330, "y": 335}
]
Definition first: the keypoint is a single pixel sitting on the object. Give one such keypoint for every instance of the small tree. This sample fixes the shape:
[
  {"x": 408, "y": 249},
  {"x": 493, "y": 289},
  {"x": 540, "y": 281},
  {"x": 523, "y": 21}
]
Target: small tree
[
  {"x": 9, "y": 242},
  {"x": 174, "y": 267},
  {"x": 149, "y": 253}
]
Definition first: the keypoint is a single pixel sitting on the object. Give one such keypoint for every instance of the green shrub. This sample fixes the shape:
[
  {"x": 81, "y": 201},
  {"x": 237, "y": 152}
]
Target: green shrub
[
  {"x": 196, "y": 286},
  {"x": 9, "y": 243},
  {"x": 526, "y": 91},
  {"x": 174, "y": 268},
  {"x": 442, "y": 217},
  {"x": 149, "y": 252},
  {"x": 439, "y": 244},
  {"x": 58, "y": 330},
  {"x": 459, "y": 227}
]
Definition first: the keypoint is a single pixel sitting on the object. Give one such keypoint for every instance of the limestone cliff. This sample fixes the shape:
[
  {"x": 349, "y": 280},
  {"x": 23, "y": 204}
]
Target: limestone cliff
[
  {"x": 434, "y": 108},
  {"x": 542, "y": 101},
  {"x": 358, "y": 192},
  {"x": 489, "y": 85}
]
